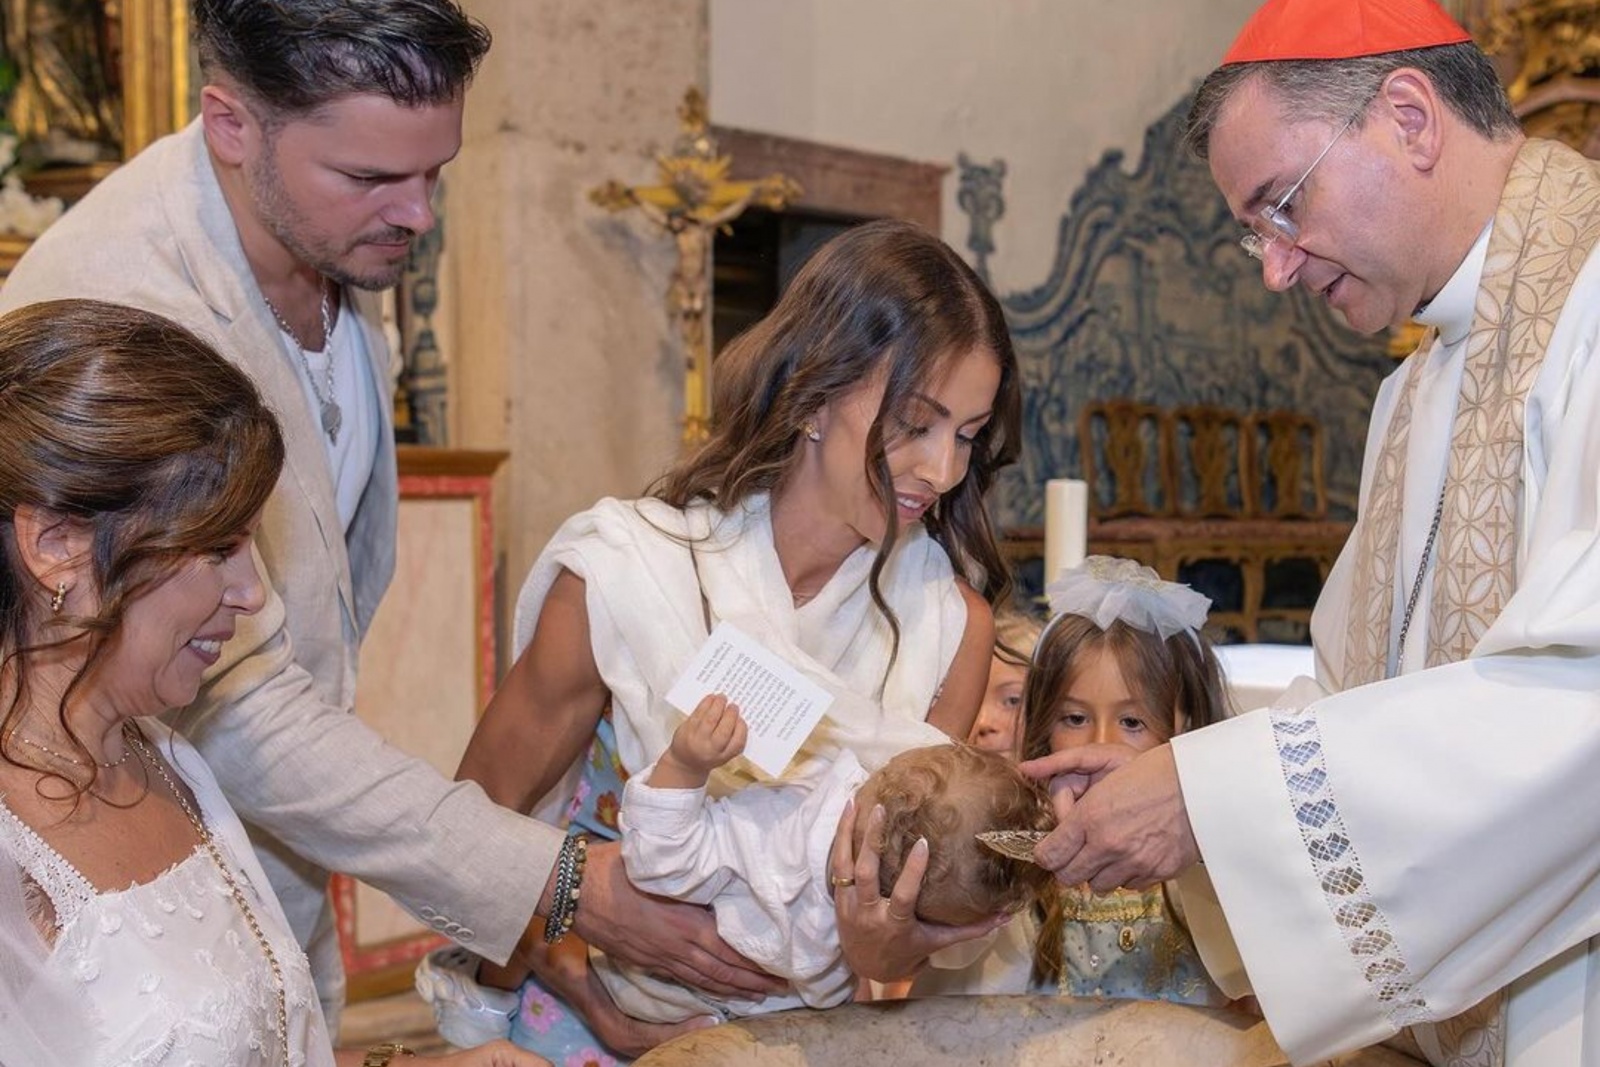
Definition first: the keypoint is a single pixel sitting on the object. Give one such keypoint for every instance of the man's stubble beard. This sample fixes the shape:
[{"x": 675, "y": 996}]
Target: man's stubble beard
[{"x": 283, "y": 220}]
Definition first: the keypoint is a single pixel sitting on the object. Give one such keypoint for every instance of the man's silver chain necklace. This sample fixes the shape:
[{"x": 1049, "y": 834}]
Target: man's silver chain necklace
[{"x": 332, "y": 415}]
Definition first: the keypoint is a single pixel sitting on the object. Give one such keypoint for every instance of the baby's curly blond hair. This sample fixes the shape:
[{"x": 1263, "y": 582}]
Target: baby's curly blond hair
[{"x": 948, "y": 794}]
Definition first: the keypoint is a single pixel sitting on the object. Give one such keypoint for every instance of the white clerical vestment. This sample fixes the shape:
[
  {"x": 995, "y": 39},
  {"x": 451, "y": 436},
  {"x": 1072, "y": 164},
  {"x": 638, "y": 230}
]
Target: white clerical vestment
[{"x": 1413, "y": 845}]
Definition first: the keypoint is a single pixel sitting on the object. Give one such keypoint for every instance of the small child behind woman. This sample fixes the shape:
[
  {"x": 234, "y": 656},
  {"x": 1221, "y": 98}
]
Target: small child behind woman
[{"x": 998, "y": 727}]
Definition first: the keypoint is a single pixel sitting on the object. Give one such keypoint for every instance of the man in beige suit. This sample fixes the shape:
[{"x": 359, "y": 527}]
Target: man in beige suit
[{"x": 265, "y": 226}]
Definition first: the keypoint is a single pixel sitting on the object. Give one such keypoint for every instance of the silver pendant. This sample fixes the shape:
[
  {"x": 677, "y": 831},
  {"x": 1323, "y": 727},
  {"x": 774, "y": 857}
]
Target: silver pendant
[{"x": 332, "y": 419}]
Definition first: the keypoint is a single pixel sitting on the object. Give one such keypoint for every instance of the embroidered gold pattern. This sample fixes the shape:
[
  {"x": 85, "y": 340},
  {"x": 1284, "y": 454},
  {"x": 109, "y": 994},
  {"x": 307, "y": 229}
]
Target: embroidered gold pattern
[
  {"x": 1378, "y": 534},
  {"x": 1547, "y": 226},
  {"x": 1123, "y": 906},
  {"x": 1144, "y": 918}
]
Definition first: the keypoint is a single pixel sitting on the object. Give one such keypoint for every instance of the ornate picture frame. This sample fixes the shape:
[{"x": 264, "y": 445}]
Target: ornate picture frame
[
  {"x": 154, "y": 73},
  {"x": 156, "y": 69}
]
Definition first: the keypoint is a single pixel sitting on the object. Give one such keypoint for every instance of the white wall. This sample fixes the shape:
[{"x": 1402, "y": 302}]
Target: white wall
[
  {"x": 567, "y": 358},
  {"x": 1047, "y": 85}
]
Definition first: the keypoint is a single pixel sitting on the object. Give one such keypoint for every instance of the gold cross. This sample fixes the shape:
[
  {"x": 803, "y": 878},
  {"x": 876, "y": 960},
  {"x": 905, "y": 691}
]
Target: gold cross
[{"x": 694, "y": 199}]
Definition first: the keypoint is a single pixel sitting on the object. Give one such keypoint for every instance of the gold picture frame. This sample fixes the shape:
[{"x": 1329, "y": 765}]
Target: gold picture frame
[
  {"x": 155, "y": 71},
  {"x": 155, "y": 67}
]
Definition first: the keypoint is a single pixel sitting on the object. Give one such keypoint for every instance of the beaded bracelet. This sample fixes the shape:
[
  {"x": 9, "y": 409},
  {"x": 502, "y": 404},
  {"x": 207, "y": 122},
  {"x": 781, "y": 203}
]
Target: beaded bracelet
[{"x": 564, "y": 899}]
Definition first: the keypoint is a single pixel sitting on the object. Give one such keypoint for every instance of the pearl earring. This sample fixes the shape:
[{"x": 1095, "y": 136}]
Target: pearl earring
[
  {"x": 59, "y": 599},
  {"x": 811, "y": 432}
]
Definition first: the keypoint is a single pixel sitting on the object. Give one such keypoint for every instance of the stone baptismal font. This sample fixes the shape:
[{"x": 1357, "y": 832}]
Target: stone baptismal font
[{"x": 995, "y": 1031}]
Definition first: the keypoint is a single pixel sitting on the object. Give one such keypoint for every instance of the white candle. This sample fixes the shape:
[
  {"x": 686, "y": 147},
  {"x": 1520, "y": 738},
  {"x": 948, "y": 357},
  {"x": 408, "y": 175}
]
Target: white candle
[{"x": 1066, "y": 525}]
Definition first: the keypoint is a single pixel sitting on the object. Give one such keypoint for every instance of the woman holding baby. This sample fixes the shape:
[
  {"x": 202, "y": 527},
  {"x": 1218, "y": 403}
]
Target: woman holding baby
[{"x": 836, "y": 516}]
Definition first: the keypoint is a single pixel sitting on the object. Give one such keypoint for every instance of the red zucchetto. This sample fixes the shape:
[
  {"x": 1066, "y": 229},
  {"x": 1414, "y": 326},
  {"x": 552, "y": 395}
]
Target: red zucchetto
[{"x": 1342, "y": 29}]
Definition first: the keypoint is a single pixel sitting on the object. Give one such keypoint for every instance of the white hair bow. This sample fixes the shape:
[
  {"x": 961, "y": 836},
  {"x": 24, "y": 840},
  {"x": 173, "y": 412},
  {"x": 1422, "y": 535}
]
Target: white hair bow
[{"x": 1105, "y": 590}]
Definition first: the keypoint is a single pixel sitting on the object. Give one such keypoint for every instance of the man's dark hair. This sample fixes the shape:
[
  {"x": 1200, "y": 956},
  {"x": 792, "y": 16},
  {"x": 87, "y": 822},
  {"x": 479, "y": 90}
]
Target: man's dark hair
[
  {"x": 1336, "y": 89},
  {"x": 295, "y": 56}
]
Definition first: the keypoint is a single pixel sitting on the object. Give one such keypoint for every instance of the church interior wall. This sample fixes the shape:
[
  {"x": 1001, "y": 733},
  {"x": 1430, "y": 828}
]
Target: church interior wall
[
  {"x": 564, "y": 353},
  {"x": 1046, "y": 85},
  {"x": 1115, "y": 257}
]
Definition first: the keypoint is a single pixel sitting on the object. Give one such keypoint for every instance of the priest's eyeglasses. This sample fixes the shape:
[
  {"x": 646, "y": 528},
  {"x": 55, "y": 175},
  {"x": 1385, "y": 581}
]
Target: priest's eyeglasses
[{"x": 1273, "y": 224}]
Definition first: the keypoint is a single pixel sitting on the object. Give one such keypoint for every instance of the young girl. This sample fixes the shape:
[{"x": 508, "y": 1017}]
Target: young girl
[
  {"x": 1122, "y": 661},
  {"x": 999, "y": 724}
]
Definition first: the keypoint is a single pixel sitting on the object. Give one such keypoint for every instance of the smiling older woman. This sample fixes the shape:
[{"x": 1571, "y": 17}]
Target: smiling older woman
[{"x": 135, "y": 925}]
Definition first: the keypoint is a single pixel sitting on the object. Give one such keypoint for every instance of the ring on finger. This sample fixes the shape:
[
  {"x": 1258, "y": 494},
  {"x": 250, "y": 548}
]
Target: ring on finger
[
  {"x": 840, "y": 883},
  {"x": 893, "y": 916}
]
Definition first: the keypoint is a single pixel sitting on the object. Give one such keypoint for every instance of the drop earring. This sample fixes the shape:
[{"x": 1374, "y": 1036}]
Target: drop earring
[
  {"x": 60, "y": 598},
  {"x": 811, "y": 431}
]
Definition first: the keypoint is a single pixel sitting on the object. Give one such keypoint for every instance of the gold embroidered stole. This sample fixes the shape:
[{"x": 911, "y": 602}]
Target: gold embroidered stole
[
  {"x": 1544, "y": 230},
  {"x": 1546, "y": 226}
]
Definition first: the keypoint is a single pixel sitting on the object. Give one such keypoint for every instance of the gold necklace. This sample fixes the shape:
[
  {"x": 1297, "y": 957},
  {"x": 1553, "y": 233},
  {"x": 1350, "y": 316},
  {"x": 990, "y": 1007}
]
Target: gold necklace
[
  {"x": 210, "y": 845},
  {"x": 75, "y": 761}
]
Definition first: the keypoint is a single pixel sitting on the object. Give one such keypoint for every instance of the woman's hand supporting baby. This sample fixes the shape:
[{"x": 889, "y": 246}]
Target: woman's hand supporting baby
[
  {"x": 676, "y": 941},
  {"x": 881, "y": 936}
]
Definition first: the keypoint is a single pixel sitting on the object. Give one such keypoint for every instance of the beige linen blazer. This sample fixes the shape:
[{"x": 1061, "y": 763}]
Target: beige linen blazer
[{"x": 318, "y": 789}]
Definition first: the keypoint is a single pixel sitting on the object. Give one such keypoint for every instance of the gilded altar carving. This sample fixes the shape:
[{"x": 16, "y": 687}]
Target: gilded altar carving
[
  {"x": 94, "y": 81},
  {"x": 66, "y": 102},
  {"x": 1549, "y": 40}
]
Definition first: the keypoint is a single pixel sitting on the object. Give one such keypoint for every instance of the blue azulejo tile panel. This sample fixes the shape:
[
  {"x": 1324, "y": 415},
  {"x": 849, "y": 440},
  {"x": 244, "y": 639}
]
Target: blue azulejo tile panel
[{"x": 1151, "y": 297}]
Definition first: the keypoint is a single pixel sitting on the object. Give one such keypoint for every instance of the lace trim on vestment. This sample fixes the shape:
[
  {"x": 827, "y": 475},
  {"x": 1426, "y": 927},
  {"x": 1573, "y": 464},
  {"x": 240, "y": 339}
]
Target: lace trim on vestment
[{"x": 1366, "y": 931}]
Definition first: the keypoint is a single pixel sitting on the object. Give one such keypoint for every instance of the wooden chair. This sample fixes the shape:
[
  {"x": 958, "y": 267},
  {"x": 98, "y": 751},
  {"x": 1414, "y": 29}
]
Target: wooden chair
[
  {"x": 1126, "y": 449},
  {"x": 1200, "y": 486},
  {"x": 1291, "y": 479},
  {"x": 1215, "y": 470}
]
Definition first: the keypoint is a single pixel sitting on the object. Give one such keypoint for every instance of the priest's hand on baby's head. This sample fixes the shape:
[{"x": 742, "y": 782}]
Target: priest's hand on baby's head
[{"x": 1129, "y": 829}]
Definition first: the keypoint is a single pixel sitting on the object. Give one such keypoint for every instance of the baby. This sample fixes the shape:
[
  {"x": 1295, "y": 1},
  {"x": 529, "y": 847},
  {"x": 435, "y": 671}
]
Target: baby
[{"x": 759, "y": 857}]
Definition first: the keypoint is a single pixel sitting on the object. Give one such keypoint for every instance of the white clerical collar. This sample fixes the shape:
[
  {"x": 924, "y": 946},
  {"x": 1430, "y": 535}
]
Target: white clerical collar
[{"x": 1451, "y": 311}]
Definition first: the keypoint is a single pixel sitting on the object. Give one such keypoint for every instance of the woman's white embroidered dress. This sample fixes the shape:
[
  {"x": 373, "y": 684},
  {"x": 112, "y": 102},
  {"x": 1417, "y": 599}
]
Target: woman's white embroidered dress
[{"x": 164, "y": 973}]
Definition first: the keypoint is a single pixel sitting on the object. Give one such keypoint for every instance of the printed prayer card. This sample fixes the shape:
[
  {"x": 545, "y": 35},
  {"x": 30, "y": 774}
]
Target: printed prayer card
[{"x": 779, "y": 704}]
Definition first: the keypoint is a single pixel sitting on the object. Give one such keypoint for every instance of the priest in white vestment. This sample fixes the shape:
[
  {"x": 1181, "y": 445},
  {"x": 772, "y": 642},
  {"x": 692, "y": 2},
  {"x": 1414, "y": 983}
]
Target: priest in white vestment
[{"x": 1414, "y": 858}]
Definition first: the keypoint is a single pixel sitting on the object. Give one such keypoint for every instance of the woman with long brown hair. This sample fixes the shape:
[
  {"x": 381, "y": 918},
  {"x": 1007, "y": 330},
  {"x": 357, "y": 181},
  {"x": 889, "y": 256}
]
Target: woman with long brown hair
[{"x": 836, "y": 515}]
